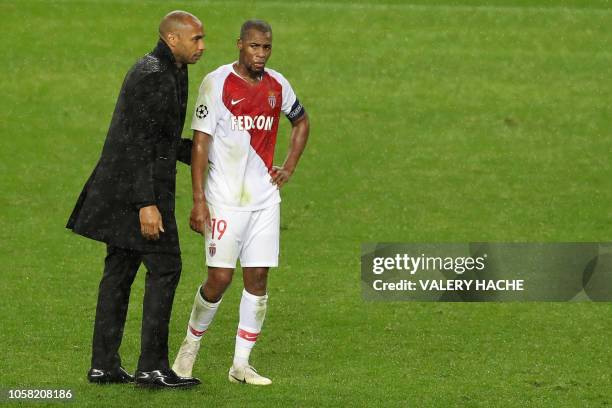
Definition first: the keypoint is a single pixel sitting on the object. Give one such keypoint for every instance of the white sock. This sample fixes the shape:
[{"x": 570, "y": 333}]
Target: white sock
[
  {"x": 252, "y": 315},
  {"x": 202, "y": 315}
]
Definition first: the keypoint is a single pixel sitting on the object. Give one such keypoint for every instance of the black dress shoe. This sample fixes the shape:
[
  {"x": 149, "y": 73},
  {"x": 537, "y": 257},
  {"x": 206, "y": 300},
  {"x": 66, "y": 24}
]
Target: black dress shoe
[
  {"x": 116, "y": 376},
  {"x": 164, "y": 379}
]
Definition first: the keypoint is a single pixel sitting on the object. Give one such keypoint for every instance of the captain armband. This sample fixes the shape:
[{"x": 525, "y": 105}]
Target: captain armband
[{"x": 297, "y": 111}]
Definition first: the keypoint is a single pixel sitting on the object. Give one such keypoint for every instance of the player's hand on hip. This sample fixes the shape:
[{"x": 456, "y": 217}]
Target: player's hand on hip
[
  {"x": 279, "y": 176},
  {"x": 200, "y": 217},
  {"x": 150, "y": 222}
]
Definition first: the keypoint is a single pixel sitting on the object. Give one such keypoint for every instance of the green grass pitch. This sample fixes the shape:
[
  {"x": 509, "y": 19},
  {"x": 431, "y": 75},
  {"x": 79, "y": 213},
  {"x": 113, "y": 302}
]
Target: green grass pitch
[{"x": 433, "y": 121}]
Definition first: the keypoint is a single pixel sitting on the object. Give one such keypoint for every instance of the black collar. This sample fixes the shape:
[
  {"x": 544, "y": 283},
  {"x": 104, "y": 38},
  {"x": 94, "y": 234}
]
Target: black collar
[{"x": 163, "y": 52}]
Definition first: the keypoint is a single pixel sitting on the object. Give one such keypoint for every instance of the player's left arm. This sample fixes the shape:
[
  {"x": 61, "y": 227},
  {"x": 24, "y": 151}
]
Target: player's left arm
[{"x": 300, "y": 129}]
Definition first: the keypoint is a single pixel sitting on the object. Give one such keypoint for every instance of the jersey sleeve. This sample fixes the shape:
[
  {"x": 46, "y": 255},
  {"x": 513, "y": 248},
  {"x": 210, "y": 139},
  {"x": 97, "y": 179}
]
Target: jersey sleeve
[
  {"x": 291, "y": 107},
  {"x": 206, "y": 108}
]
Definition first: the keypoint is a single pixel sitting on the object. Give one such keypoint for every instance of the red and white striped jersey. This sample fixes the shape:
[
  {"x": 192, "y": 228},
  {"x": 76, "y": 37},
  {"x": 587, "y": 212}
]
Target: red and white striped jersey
[{"x": 242, "y": 119}]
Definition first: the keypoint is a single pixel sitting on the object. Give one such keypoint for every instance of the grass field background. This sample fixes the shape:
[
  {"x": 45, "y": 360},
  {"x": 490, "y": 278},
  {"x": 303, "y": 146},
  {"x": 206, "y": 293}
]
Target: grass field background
[{"x": 433, "y": 121}]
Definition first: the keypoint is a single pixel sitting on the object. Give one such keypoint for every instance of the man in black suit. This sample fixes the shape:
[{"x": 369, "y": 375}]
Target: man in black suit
[{"x": 128, "y": 203}]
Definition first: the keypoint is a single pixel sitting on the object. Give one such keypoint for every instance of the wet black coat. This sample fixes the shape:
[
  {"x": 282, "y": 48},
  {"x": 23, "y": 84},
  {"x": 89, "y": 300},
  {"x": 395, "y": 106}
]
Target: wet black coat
[{"x": 137, "y": 166}]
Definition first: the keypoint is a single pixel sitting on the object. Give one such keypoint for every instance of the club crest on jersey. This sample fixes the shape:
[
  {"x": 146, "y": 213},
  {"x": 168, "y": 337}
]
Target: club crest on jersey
[
  {"x": 259, "y": 122},
  {"x": 212, "y": 249},
  {"x": 272, "y": 100}
]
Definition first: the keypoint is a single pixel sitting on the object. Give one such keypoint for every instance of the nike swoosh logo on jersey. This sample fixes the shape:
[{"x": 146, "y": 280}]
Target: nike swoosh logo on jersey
[{"x": 233, "y": 102}]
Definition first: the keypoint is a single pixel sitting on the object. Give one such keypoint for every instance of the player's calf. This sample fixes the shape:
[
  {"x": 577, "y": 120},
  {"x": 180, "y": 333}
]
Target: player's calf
[{"x": 202, "y": 314}]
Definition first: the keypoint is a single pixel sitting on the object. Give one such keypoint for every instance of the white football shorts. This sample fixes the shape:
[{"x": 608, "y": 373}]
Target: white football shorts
[{"x": 251, "y": 236}]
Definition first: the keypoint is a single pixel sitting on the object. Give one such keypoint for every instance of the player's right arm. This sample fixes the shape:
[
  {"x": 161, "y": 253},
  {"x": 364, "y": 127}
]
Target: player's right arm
[
  {"x": 200, "y": 216},
  {"x": 203, "y": 124}
]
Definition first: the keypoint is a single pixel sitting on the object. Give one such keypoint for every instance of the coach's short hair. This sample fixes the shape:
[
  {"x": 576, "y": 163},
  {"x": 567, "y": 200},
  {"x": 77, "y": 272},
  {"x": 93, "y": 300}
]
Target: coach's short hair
[{"x": 258, "y": 25}]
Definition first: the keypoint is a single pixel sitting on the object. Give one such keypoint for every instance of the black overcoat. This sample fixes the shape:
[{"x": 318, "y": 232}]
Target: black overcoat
[{"x": 137, "y": 166}]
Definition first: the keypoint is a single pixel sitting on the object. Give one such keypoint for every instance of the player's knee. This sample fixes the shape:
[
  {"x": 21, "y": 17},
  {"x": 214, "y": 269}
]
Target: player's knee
[
  {"x": 224, "y": 281},
  {"x": 261, "y": 276},
  {"x": 220, "y": 279},
  {"x": 255, "y": 281}
]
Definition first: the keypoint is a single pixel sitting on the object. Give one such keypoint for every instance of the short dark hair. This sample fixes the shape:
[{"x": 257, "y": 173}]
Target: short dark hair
[{"x": 258, "y": 25}]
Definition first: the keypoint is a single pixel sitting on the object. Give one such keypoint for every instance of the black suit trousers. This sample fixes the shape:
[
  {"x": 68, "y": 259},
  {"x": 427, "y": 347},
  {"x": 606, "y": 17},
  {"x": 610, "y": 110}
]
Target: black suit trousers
[{"x": 120, "y": 267}]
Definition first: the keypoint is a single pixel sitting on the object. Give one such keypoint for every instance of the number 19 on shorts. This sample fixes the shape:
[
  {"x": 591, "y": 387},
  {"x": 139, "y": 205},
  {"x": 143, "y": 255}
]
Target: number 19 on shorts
[{"x": 218, "y": 226}]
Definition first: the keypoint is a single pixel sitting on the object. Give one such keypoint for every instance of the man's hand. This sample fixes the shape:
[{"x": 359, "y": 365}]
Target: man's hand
[
  {"x": 150, "y": 222},
  {"x": 200, "y": 217},
  {"x": 279, "y": 176},
  {"x": 299, "y": 135}
]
